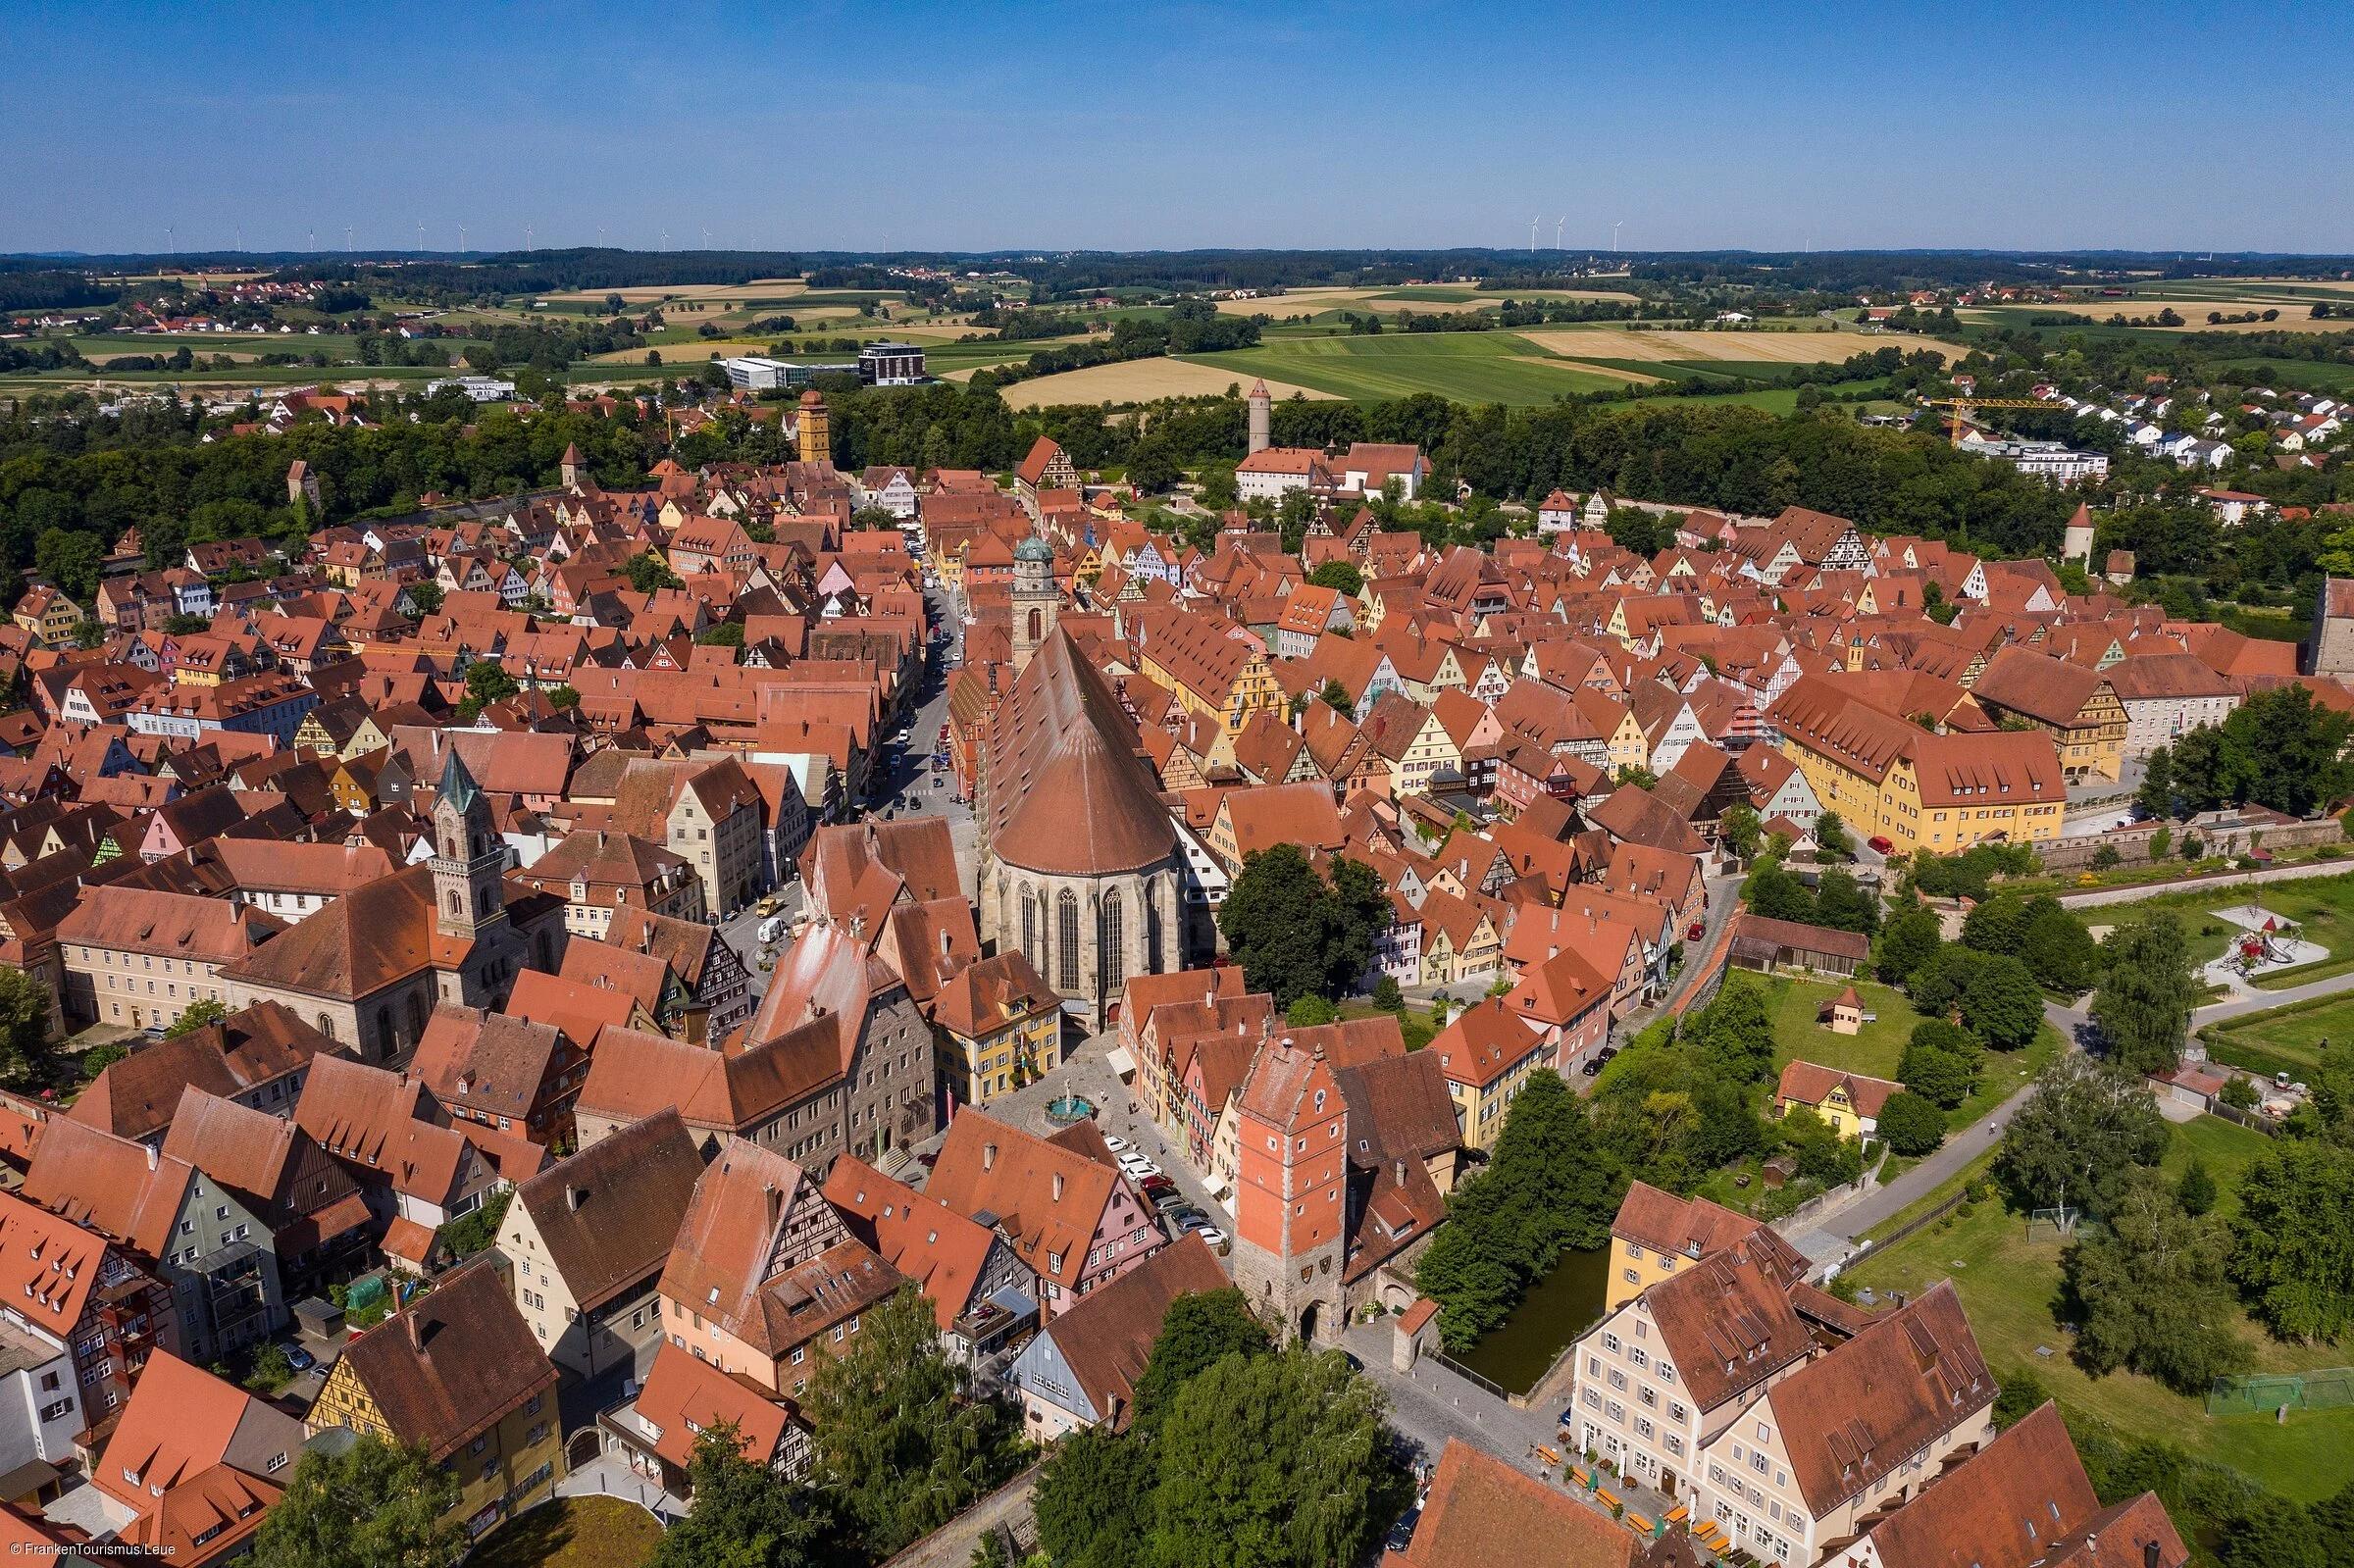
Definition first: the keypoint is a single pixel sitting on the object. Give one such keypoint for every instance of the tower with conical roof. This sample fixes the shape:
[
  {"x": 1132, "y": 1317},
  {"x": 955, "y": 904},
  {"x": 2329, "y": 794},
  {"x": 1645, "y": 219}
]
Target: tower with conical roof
[
  {"x": 1037, "y": 602},
  {"x": 470, "y": 859},
  {"x": 1261, "y": 411},
  {"x": 568, "y": 467}
]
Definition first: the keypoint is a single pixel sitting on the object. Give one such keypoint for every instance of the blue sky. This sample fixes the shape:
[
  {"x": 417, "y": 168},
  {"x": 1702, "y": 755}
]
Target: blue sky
[{"x": 1137, "y": 125}]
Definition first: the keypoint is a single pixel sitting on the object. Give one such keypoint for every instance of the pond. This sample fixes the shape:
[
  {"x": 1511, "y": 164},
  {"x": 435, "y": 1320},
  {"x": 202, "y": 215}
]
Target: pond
[{"x": 1557, "y": 1309}]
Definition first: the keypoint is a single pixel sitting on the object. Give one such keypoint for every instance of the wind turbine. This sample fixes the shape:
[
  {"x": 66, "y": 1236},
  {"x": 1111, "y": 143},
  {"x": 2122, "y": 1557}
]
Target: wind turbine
[
  {"x": 461, "y": 240},
  {"x": 706, "y": 236},
  {"x": 420, "y": 236},
  {"x": 1532, "y": 235},
  {"x": 347, "y": 238},
  {"x": 527, "y": 237},
  {"x": 1614, "y": 235},
  {"x": 1557, "y": 231},
  {"x": 665, "y": 245},
  {"x": 314, "y": 233},
  {"x": 170, "y": 242}
]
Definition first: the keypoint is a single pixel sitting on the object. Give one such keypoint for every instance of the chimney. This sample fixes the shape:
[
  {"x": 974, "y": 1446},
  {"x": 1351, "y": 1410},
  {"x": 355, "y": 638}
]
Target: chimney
[
  {"x": 2149, "y": 1553},
  {"x": 573, "y": 1196},
  {"x": 151, "y": 1156},
  {"x": 943, "y": 945},
  {"x": 416, "y": 1330},
  {"x": 776, "y": 1204},
  {"x": 1057, "y": 1187},
  {"x": 989, "y": 1156}
]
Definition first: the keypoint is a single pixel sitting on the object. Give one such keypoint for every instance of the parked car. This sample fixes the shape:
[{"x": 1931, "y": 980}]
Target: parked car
[
  {"x": 1139, "y": 1170},
  {"x": 297, "y": 1357},
  {"x": 1216, "y": 1238},
  {"x": 1699, "y": 929},
  {"x": 1117, "y": 1144},
  {"x": 1880, "y": 843}
]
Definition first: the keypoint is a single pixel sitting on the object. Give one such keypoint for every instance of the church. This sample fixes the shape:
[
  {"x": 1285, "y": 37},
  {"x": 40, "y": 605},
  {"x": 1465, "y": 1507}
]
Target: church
[
  {"x": 369, "y": 969},
  {"x": 1080, "y": 864}
]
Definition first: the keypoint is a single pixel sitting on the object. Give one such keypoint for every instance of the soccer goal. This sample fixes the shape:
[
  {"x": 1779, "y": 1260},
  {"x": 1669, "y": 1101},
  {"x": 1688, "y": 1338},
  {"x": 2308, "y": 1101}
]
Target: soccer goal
[{"x": 2052, "y": 1225}]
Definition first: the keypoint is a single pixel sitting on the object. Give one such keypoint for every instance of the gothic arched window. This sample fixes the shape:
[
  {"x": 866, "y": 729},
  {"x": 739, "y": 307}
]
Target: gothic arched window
[
  {"x": 1029, "y": 928},
  {"x": 1038, "y": 622},
  {"x": 1112, "y": 944},
  {"x": 1067, "y": 941},
  {"x": 457, "y": 905}
]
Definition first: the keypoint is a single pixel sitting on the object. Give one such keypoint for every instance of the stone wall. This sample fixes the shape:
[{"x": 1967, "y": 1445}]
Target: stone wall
[{"x": 2219, "y": 836}]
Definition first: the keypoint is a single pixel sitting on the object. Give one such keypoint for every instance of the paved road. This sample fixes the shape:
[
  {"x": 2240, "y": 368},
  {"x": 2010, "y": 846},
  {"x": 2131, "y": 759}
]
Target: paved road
[{"x": 1432, "y": 1404}]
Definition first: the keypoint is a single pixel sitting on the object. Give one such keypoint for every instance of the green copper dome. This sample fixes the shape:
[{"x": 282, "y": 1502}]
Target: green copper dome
[{"x": 1034, "y": 548}]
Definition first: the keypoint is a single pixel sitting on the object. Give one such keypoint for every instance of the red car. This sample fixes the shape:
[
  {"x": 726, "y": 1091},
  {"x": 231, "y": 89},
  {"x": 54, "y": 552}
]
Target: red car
[
  {"x": 1880, "y": 843},
  {"x": 1700, "y": 928}
]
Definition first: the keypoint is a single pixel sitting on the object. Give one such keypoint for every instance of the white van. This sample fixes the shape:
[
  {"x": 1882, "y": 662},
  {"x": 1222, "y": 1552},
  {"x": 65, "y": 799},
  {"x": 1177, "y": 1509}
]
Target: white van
[{"x": 772, "y": 928}]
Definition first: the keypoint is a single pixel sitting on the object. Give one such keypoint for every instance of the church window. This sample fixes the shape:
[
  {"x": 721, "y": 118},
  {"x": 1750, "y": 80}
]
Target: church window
[
  {"x": 1029, "y": 927},
  {"x": 455, "y": 906},
  {"x": 1067, "y": 961},
  {"x": 1111, "y": 941}
]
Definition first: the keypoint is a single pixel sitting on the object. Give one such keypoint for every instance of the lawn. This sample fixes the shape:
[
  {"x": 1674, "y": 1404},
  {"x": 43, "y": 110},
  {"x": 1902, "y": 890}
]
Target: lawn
[
  {"x": 2323, "y": 905},
  {"x": 1469, "y": 367},
  {"x": 1414, "y": 1025},
  {"x": 1877, "y": 1048},
  {"x": 2009, "y": 1287},
  {"x": 2284, "y": 1039},
  {"x": 572, "y": 1532}
]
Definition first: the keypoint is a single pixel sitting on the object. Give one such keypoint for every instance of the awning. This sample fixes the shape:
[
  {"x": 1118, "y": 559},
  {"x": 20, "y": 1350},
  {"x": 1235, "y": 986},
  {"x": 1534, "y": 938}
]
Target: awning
[{"x": 1121, "y": 1062}]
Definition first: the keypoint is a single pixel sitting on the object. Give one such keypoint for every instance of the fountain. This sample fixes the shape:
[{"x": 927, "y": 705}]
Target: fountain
[{"x": 1065, "y": 1109}]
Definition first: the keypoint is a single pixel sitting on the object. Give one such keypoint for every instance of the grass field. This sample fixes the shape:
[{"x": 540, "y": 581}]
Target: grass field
[
  {"x": 2284, "y": 1039},
  {"x": 1875, "y": 1051},
  {"x": 1471, "y": 367},
  {"x": 1139, "y": 381},
  {"x": 572, "y": 1532},
  {"x": 2323, "y": 905},
  {"x": 2010, "y": 1287}
]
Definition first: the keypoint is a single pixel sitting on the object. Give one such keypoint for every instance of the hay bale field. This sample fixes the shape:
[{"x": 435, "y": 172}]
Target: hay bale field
[{"x": 1136, "y": 380}]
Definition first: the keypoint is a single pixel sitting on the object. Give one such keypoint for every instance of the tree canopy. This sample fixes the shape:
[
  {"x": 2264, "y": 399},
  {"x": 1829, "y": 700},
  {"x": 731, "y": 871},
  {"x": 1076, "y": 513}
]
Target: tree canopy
[
  {"x": 1297, "y": 936},
  {"x": 2146, "y": 994},
  {"x": 2079, "y": 1135},
  {"x": 373, "y": 1505},
  {"x": 2152, "y": 1292}
]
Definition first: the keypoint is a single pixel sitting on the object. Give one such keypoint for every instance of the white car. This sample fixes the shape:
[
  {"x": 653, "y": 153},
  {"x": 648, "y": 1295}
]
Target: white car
[
  {"x": 1138, "y": 1167},
  {"x": 1214, "y": 1237},
  {"x": 1117, "y": 1144}
]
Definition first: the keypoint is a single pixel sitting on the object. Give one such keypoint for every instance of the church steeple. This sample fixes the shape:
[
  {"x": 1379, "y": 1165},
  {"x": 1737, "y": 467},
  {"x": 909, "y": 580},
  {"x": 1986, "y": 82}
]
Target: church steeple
[
  {"x": 1037, "y": 602},
  {"x": 470, "y": 859}
]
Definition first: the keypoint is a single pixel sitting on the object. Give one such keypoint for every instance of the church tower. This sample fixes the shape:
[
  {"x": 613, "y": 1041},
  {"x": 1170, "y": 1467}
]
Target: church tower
[
  {"x": 470, "y": 859},
  {"x": 1262, "y": 414},
  {"x": 816, "y": 431},
  {"x": 1037, "y": 602}
]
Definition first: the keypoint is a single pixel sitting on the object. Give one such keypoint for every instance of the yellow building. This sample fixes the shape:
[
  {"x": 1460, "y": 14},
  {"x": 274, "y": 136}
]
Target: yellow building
[
  {"x": 49, "y": 615},
  {"x": 1848, "y": 1103},
  {"x": 1889, "y": 778},
  {"x": 1487, "y": 1055},
  {"x": 2078, "y": 707},
  {"x": 1211, "y": 671},
  {"x": 458, "y": 1372},
  {"x": 1656, "y": 1233},
  {"x": 999, "y": 1027}
]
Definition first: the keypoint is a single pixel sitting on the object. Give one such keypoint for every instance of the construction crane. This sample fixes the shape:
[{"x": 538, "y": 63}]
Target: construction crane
[{"x": 1964, "y": 407}]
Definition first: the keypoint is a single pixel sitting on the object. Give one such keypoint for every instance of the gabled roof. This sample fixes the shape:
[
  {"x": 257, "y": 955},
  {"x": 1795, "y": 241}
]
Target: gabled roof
[
  {"x": 1810, "y": 1083},
  {"x": 109, "y": 1184},
  {"x": 942, "y": 1250},
  {"x": 1047, "y": 1198},
  {"x": 609, "y": 1215},
  {"x": 1107, "y": 1335},
  {"x": 452, "y": 1364},
  {"x": 1727, "y": 1321},
  {"x": 1480, "y": 1512},
  {"x": 135, "y": 1097},
  {"x": 1067, "y": 793},
  {"x": 685, "y": 1395}
]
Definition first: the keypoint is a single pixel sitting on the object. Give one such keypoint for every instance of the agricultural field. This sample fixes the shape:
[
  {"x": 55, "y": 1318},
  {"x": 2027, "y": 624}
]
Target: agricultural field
[
  {"x": 1470, "y": 367},
  {"x": 1389, "y": 299},
  {"x": 2010, "y": 1286},
  {"x": 1786, "y": 348},
  {"x": 1138, "y": 380}
]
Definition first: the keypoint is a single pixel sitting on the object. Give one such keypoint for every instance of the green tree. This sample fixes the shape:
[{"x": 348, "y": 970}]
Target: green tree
[
  {"x": 1772, "y": 893},
  {"x": 2196, "y": 1191},
  {"x": 2079, "y": 1135},
  {"x": 23, "y": 1023},
  {"x": 1997, "y": 926},
  {"x": 1734, "y": 1034},
  {"x": 2146, "y": 994},
  {"x": 1830, "y": 834},
  {"x": 1152, "y": 466},
  {"x": 561, "y": 697},
  {"x": 2282, "y": 750},
  {"x": 2152, "y": 1290},
  {"x": 2001, "y": 1003},
  {"x": 1275, "y": 1461},
  {"x": 1386, "y": 995},
  {"x": 1093, "y": 1499},
  {"x": 373, "y": 1504},
  {"x": 1910, "y": 940},
  {"x": 1296, "y": 935},
  {"x": 901, "y": 1440},
  {"x": 2238, "y": 1093},
  {"x": 2295, "y": 1228},
  {"x": 427, "y": 596},
  {"x": 1336, "y": 697},
  {"x": 1841, "y": 905},
  {"x": 1343, "y": 575},
  {"x": 1307, "y": 1012},
  {"x": 2059, "y": 949},
  {"x": 1739, "y": 829},
  {"x": 1911, "y": 1124},
  {"x": 1199, "y": 1328},
  {"x": 194, "y": 1017},
  {"x": 71, "y": 560},
  {"x": 744, "y": 1514},
  {"x": 2022, "y": 1395},
  {"x": 1944, "y": 1078},
  {"x": 2155, "y": 795},
  {"x": 725, "y": 634},
  {"x": 485, "y": 683},
  {"x": 650, "y": 572}
]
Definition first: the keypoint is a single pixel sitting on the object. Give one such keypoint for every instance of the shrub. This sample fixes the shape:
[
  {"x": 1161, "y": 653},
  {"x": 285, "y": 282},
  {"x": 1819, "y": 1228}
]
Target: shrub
[{"x": 1912, "y": 1124}]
